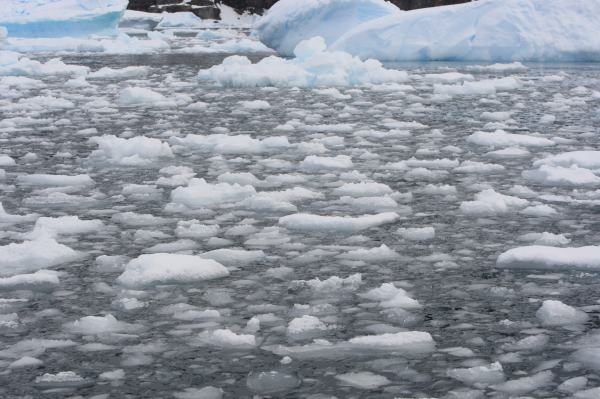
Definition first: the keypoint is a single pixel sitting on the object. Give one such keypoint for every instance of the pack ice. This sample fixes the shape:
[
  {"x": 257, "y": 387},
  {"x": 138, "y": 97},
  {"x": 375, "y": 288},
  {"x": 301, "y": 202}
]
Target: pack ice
[
  {"x": 61, "y": 18},
  {"x": 485, "y": 30}
]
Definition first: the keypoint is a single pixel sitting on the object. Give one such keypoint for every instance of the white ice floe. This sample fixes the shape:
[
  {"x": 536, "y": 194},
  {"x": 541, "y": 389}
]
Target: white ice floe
[
  {"x": 289, "y": 22},
  {"x": 162, "y": 268},
  {"x": 200, "y": 194},
  {"x": 417, "y": 233},
  {"x": 136, "y": 151},
  {"x": 336, "y": 224},
  {"x": 500, "y": 138},
  {"x": 141, "y": 96},
  {"x": 560, "y": 176},
  {"x": 405, "y": 342},
  {"x": 316, "y": 164},
  {"x": 479, "y": 376},
  {"x": 556, "y": 313},
  {"x": 29, "y": 256},
  {"x": 581, "y": 159},
  {"x": 45, "y": 180},
  {"x": 92, "y": 325},
  {"x": 312, "y": 67},
  {"x": 41, "y": 280},
  {"x": 363, "y": 380},
  {"x": 551, "y": 258},
  {"x": 390, "y": 296},
  {"x": 232, "y": 144},
  {"x": 227, "y": 339},
  {"x": 491, "y": 203}
]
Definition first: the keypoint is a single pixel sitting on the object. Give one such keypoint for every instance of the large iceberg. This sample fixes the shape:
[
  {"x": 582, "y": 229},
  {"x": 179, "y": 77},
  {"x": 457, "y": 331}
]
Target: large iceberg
[
  {"x": 289, "y": 22},
  {"x": 485, "y": 30},
  {"x": 61, "y": 18}
]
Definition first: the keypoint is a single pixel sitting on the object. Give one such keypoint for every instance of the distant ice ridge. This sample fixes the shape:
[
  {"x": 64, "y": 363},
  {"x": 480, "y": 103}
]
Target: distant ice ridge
[
  {"x": 289, "y": 22},
  {"x": 313, "y": 66},
  {"x": 485, "y": 30},
  {"x": 61, "y": 18}
]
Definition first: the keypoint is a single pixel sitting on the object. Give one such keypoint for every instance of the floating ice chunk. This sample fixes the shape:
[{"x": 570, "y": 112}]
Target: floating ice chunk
[
  {"x": 6, "y": 218},
  {"x": 363, "y": 189},
  {"x": 41, "y": 280},
  {"x": 136, "y": 151},
  {"x": 289, "y": 22},
  {"x": 18, "y": 65},
  {"x": 122, "y": 73},
  {"x": 179, "y": 20},
  {"x": 305, "y": 326},
  {"x": 164, "y": 268},
  {"x": 573, "y": 176},
  {"x": 382, "y": 253},
  {"x": 526, "y": 384},
  {"x": 500, "y": 138},
  {"x": 539, "y": 211},
  {"x": 234, "y": 257},
  {"x": 200, "y": 393},
  {"x": 591, "y": 393},
  {"x": 255, "y": 104},
  {"x": 270, "y": 382},
  {"x": 546, "y": 238},
  {"x": 34, "y": 347},
  {"x": 478, "y": 88},
  {"x": 25, "y": 361},
  {"x": 573, "y": 385},
  {"x": 581, "y": 159},
  {"x": 510, "y": 30},
  {"x": 363, "y": 380},
  {"x": 509, "y": 153},
  {"x": 407, "y": 343},
  {"x": 140, "y": 20},
  {"x": 491, "y": 203},
  {"x": 336, "y": 224},
  {"x": 58, "y": 18},
  {"x": 391, "y": 296},
  {"x": 556, "y": 313},
  {"x": 60, "y": 380},
  {"x": 315, "y": 164},
  {"x": 140, "y": 96},
  {"x": 417, "y": 233},
  {"x": 63, "y": 225},
  {"x": 194, "y": 229},
  {"x": 551, "y": 258},
  {"x": 479, "y": 376},
  {"x": 92, "y": 325},
  {"x": 227, "y": 339},
  {"x": 313, "y": 67},
  {"x": 478, "y": 167},
  {"x": 234, "y": 46},
  {"x": 44, "y": 180},
  {"x": 112, "y": 375},
  {"x": 28, "y": 256},
  {"x": 200, "y": 194},
  {"x": 234, "y": 144}
]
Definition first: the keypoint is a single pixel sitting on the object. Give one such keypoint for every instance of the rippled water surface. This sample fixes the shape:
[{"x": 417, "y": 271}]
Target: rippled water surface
[{"x": 474, "y": 312}]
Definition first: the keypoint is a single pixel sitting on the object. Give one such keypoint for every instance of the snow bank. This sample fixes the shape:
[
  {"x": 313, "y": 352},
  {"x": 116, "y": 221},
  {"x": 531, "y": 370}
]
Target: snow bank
[
  {"x": 289, "y": 22},
  {"x": 313, "y": 66},
  {"x": 61, "y": 18},
  {"x": 485, "y": 30},
  {"x": 550, "y": 258},
  {"x": 164, "y": 268}
]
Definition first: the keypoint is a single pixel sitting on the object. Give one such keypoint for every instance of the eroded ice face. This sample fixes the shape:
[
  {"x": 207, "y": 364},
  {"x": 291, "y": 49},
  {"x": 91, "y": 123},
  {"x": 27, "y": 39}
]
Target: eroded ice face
[{"x": 165, "y": 234}]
